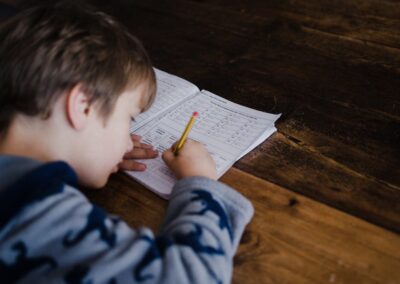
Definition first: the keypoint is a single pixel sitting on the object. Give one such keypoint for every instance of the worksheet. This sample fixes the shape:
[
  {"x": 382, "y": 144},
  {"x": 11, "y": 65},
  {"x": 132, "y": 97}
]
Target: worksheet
[{"x": 228, "y": 130}]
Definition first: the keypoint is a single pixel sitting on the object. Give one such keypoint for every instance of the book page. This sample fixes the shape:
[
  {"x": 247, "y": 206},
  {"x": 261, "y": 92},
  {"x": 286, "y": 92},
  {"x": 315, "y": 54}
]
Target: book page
[
  {"x": 171, "y": 90},
  {"x": 228, "y": 131}
]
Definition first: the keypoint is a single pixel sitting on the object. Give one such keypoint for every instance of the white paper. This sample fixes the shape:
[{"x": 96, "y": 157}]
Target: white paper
[{"x": 228, "y": 131}]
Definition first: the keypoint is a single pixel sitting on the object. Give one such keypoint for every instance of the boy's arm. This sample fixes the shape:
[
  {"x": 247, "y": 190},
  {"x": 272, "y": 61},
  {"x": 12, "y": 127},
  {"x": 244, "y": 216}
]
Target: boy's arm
[
  {"x": 196, "y": 244},
  {"x": 205, "y": 220},
  {"x": 194, "y": 203},
  {"x": 200, "y": 196},
  {"x": 65, "y": 237}
]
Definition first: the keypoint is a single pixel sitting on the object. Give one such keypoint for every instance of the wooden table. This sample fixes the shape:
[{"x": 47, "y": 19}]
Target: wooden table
[{"x": 326, "y": 186}]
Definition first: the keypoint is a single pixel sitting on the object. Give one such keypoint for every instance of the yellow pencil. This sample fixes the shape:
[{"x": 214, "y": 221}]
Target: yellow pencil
[{"x": 185, "y": 133}]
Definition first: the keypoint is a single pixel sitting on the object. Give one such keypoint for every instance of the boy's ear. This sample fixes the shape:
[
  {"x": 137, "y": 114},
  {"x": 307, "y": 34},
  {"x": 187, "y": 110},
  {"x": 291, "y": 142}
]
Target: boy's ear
[{"x": 77, "y": 107}]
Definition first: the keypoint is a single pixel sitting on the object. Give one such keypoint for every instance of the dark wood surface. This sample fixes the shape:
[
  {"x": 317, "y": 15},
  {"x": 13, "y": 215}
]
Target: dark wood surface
[{"x": 326, "y": 186}]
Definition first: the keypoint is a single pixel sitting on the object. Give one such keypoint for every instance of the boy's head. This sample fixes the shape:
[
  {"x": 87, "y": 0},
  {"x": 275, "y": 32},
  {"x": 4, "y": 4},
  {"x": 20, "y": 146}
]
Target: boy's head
[{"x": 79, "y": 68}]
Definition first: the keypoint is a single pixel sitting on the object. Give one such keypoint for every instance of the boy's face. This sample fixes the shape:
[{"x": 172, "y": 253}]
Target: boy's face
[{"x": 108, "y": 142}]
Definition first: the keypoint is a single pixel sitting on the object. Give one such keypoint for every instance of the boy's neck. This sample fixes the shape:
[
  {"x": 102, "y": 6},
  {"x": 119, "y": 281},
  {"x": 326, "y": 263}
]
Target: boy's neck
[{"x": 25, "y": 138}]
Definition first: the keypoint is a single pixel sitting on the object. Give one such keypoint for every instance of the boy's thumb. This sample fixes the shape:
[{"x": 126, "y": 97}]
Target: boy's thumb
[{"x": 167, "y": 155}]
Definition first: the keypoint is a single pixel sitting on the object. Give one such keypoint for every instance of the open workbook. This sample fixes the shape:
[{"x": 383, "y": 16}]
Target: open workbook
[{"x": 228, "y": 130}]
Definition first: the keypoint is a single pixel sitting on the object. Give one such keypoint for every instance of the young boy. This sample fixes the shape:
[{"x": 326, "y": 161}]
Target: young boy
[{"x": 71, "y": 80}]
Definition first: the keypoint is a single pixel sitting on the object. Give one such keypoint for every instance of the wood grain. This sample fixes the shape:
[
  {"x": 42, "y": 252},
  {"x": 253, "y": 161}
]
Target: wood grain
[{"x": 294, "y": 239}]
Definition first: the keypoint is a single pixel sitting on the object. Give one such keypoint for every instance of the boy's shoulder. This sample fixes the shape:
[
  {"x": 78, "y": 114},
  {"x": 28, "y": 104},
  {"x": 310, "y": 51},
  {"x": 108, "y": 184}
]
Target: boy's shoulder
[{"x": 24, "y": 181}]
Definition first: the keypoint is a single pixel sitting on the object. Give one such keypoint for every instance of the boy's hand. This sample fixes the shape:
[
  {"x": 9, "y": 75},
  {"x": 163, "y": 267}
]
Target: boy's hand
[
  {"x": 139, "y": 151},
  {"x": 193, "y": 159}
]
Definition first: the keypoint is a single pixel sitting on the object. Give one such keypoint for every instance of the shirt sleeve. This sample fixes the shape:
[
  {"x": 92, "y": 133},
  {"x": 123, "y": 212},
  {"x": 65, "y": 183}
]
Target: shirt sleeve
[{"x": 65, "y": 237}]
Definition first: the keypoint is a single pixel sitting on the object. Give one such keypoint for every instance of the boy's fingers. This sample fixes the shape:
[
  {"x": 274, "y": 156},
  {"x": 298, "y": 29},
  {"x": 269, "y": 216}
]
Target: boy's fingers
[
  {"x": 131, "y": 165},
  {"x": 142, "y": 145},
  {"x": 138, "y": 153},
  {"x": 136, "y": 142},
  {"x": 136, "y": 137},
  {"x": 168, "y": 155}
]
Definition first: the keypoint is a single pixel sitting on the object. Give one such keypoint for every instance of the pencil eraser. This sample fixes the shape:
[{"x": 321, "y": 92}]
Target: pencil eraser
[{"x": 195, "y": 113}]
